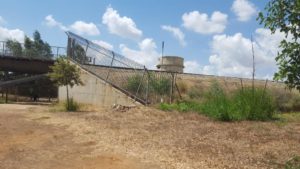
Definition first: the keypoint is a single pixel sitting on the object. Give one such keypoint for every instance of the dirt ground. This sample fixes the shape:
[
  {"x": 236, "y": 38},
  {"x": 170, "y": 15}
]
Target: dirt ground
[{"x": 36, "y": 137}]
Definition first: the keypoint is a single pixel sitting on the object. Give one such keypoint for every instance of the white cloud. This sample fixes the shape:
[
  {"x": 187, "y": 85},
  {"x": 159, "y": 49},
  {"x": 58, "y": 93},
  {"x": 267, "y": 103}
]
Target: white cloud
[
  {"x": 104, "y": 44},
  {"x": 121, "y": 26},
  {"x": 192, "y": 67},
  {"x": 79, "y": 27},
  {"x": 176, "y": 32},
  {"x": 243, "y": 9},
  {"x": 15, "y": 34},
  {"x": 146, "y": 55},
  {"x": 232, "y": 55},
  {"x": 201, "y": 23},
  {"x": 51, "y": 22}
]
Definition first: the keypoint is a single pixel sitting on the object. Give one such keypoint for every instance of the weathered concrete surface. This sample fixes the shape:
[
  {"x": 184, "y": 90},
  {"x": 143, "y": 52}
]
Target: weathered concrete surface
[
  {"x": 96, "y": 92},
  {"x": 25, "y": 65}
]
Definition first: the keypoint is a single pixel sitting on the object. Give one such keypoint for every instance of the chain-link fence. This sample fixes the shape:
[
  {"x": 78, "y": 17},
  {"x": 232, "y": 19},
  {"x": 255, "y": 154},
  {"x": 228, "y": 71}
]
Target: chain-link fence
[{"x": 130, "y": 77}]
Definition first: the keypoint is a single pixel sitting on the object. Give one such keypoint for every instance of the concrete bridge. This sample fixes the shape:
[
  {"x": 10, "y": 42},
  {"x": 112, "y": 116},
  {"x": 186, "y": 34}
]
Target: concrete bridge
[{"x": 26, "y": 63}]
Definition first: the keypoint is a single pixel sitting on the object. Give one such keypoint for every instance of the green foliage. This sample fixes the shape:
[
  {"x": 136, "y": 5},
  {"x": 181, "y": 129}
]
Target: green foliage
[
  {"x": 243, "y": 104},
  {"x": 283, "y": 15},
  {"x": 255, "y": 104},
  {"x": 79, "y": 53},
  {"x": 293, "y": 163},
  {"x": 161, "y": 86},
  {"x": 134, "y": 82},
  {"x": 71, "y": 105},
  {"x": 15, "y": 47},
  {"x": 64, "y": 73},
  {"x": 37, "y": 47},
  {"x": 217, "y": 105}
]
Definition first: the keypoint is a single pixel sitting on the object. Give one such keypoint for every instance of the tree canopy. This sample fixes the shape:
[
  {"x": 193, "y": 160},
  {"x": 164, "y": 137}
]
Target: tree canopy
[
  {"x": 63, "y": 73},
  {"x": 32, "y": 48},
  {"x": 284, "y": 15}
]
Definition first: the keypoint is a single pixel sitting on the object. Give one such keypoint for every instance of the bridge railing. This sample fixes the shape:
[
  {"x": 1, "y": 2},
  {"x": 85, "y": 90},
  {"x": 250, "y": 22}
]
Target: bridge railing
[{"x": 21, "y": 52}]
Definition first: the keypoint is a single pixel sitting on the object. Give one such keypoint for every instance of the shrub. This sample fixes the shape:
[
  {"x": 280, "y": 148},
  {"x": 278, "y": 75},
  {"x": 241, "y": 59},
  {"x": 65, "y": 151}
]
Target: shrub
[
  {"x": 243, "y": 104},
  {"x": 73, "y": 106},
  {"x": 255, "y": 104},
  {"x": 217, "y": 105},
  {"x": 134, "y": 82},
  {"x": 161, "y": 86}
]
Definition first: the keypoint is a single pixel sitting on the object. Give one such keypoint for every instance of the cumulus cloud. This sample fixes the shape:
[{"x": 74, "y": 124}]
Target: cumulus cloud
[
  {"x": 192, "y": 66},
  {"x": 176, "y": 32},
  {"x": 243, "y": 9},
  {"x": 15, "y": 34},
  {"x": 79, "y": 27},
  {"x": 51, "y": 22},
  {"x": 104, "y": 44},
  {"x": 120, "y": 25},
  {"x": 146, "y": 55},
  {"x": 203, "y": 24},
  {"x": 232, "y": 55}
]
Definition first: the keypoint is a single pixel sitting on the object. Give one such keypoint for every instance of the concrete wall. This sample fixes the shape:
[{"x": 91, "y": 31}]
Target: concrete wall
[{"x": 95, "y": 92}]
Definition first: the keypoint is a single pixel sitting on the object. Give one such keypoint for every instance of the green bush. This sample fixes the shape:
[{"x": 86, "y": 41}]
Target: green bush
[
  {"x": 218, "y": 105},
  {"x": 73, "y": 105},
  {"x": 134, "y": 82},
  {"x": 242, "y": 104},
  {"x": 255, "y": 104},
  {"x": 160, "y": 86}
]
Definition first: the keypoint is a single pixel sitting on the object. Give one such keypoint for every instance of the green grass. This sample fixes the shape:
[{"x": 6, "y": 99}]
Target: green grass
[
  {"x": 293, "y": 163},
  {"x": 242, "y": 104}
]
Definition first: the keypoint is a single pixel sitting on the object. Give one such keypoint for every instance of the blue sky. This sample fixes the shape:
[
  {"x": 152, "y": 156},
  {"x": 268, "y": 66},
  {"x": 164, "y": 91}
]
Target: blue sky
[{"x": 212, "y": 36}]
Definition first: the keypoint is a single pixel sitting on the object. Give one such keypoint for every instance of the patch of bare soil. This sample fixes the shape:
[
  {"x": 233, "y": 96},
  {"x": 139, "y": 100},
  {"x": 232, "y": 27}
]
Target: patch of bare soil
[
  {"x": 26, "y": 143},
  {"x": 139, "y": 138}
]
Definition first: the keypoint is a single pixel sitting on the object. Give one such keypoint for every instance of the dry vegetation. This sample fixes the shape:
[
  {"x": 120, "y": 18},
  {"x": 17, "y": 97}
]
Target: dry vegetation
[{"x": 34, "y": 137}]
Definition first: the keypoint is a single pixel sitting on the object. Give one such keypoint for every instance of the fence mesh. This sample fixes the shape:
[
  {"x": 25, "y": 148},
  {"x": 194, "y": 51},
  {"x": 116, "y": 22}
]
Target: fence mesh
[{"x": 132, "y": 78}]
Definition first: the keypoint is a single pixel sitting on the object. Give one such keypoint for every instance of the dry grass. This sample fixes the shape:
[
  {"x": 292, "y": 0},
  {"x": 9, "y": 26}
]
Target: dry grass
[{"x": 172, "y": 140}]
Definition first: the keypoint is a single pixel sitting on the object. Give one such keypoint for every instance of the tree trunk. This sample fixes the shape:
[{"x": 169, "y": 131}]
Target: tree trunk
[
  {"x": 6, "y": 95},
  {"x": 67, "y": 98}
]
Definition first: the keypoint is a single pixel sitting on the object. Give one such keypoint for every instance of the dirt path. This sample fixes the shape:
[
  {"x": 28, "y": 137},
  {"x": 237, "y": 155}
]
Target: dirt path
[
  {"x": 34, "y": 137},
  {"x": 25, "y": 143}
]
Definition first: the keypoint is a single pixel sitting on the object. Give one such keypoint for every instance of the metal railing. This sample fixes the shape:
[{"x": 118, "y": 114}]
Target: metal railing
[{"x": 20, "y": 52}]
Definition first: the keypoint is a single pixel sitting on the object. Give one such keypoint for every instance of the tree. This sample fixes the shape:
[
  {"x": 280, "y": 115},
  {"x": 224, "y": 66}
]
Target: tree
[
  {"x": 37, "y": 47},
  {"x": 14, "y": 47},
  {"x": 284, "y": 15},
  {"x": 63, "y": 73}
]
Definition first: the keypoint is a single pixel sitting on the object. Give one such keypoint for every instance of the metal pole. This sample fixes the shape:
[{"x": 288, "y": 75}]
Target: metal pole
[
  {"x": 137, "y": 91},
  {"x": 147, "y": 90},
  {"x": 112, "y": 61}
]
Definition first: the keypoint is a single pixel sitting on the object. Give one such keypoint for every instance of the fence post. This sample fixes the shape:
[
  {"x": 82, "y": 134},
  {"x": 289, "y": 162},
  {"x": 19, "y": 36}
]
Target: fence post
[
  {"x": 137, "y": 91},
  {"x": 172, "y": 85},
  {"x": 111, "y": 64},
  {"x": 147, "y": 91}
]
